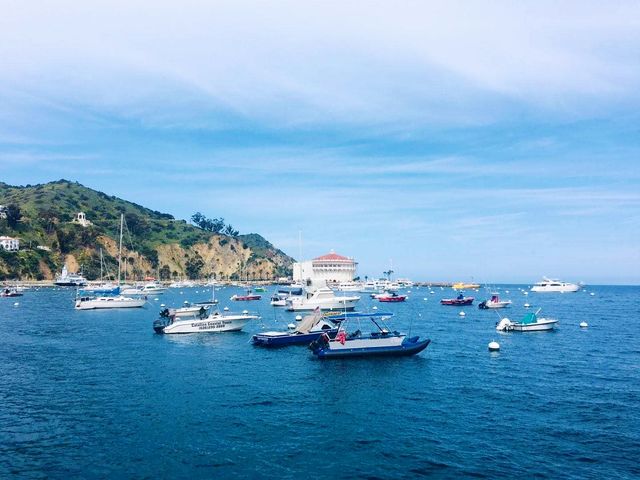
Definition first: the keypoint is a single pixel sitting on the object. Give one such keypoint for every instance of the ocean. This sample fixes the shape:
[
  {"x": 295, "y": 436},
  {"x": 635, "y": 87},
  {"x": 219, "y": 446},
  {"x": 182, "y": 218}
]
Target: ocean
[{"x": 97, "y": 394}]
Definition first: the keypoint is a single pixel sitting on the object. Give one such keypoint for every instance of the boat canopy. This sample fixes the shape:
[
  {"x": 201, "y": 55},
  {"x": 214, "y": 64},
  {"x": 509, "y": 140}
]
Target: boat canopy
[
  {"x": 529, "y": 318},
  {"x": 308, "y": 322}
]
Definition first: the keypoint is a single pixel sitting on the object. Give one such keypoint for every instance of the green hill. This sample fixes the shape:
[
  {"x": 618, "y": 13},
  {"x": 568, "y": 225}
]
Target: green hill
[{"x": 156, "y": 243}]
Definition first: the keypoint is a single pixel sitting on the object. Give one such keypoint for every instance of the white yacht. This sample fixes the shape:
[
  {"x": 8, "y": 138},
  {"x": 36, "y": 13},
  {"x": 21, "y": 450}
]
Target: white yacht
[
  {"x": 151, "y": 288},
  {"x": 554, "y": 285},
  {"x": 349, "y": 286},
  {"x": 98, "y": 303},
  {"x": 66, "y": 279},
  {"x": 176, "y": 321},
  {"x": 323, "y": 298}
]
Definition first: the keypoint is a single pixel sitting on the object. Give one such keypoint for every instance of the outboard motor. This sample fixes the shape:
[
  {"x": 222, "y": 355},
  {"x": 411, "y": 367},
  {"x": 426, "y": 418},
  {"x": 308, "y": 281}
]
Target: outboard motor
[{"x": 503, "y": 325}]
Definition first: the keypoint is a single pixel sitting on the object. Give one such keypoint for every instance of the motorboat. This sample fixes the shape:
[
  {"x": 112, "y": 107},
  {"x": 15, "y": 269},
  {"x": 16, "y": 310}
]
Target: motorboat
[
  {"x": 530, "y": 323},
  {"x": 107, "y": 302},
  {"x": 278, "y": 300},
  {"x": 307, "y": 330},
  {"x": 67, "y": 279},
  {"x": 459, "y": 300},
  {"x": 151, "y": 288},
  {"x": 173, "y": 322},
  {"x": 10, "y": 292},
  {"x": 246, "y": 298},
  {"x": 391, "y": 297},
  {"x": 548, "y": 285},
  {"x": 348, "y": 287},
  {"x": 380, "y": 342},
  {"x": 325, "y": 298},
  {"x": 494, "y": 302},
  {"x": 465, "y": 286}
]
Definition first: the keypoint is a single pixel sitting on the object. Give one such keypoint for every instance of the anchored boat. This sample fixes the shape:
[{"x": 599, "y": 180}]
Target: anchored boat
[
  {"x": 494, "y": 302},
  {"x": 380, "y": 342},
  {"x": 530, "y": 323},
  {"x": 459, "y": 300},
  {"x": 309, "y": 329},
  {"x": 324, "y": 298},
  {"x": 174, "y": 321}
]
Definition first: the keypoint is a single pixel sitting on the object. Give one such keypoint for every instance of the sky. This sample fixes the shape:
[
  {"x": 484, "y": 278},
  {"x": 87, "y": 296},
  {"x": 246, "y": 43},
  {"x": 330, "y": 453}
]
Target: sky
[{"x": 451, "y": 141}]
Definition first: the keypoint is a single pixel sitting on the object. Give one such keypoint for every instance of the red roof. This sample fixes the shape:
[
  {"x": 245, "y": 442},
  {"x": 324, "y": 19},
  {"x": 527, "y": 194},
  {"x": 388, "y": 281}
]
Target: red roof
[{"x": 332, "y": 257}]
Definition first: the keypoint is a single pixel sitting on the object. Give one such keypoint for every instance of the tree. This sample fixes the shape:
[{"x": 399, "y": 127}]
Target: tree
[
  {"x": 230, "y": 231},
  {"x": 214, "y": 225},
  {"x": 194, "y": 266},
  {"x": 13, "y": 215},
  {"x": 165, "y": 273}
]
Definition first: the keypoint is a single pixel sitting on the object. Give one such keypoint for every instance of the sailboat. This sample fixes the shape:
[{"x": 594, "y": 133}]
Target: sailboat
[
  {"x": 106, "y": 302},
  {"x": 102, "y": 288}
]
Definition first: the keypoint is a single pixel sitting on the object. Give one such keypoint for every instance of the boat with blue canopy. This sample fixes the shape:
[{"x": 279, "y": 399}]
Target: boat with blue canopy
[
  {"x": 380, "y": 342},
  {"x": 307, "y": 330}
]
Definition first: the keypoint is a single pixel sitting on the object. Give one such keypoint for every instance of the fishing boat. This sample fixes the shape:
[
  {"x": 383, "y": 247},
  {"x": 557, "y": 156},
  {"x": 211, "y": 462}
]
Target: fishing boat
[
  {"x": 494, "y": 302},
  {"x": 278, "y": 300},
  {"x": 458, "y": 301},
  {"x": 380, "y": 342},
  {"x": 391, "y": 297},
  {"x": 325, "y": 298},
  {"x": 307, "y": 330},
  {"x": 548, "y": 285},
  {"x": 173, "y": 321},
  {"x": 249, "y": 296},
  {"x": 530, "y": 323},
  {"x": 66, "y": 279}
]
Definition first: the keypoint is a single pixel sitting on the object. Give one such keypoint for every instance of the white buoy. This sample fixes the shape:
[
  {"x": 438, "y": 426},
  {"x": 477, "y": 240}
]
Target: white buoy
[
  {"x": 526, "y": 305},
  {"x": 298, "y": 318},
  {"x": 526, "y": 293},
  {"x": 375, "y": 308},
  {"x": 162, "y": 305},
  {"x": 494, "y": 346},
  {"x": 156, "y": 299},
  {"x": 592, "y": 294},
  {"x": 584, "y": 324},
  {"x": 16, "y": 304},
  {"x": 245, "y": 312},
  {"x": 226, "y": 309},
  {"x": 425, "y": 299},
  {"x": 506, "y": 291},
  {"x": 291, "y": 326},
  {"x": 432, "y": 292},
  {"x": 186, "y": 301},
  {"x": 462, "y": 314},
  {"x": 181, "y": 293}
]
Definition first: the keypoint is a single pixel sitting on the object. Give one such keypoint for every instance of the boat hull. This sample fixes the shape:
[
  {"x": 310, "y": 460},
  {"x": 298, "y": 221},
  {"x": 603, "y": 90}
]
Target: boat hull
[
  {"x": 265, "y": 340},
  {"x": 109, "y": 303},
  {"x": 541, "y": 326},
  {"x": 457, "y": 302},
  {"x": 406, "y": 348},
  {"x": 399, "y": 298}
]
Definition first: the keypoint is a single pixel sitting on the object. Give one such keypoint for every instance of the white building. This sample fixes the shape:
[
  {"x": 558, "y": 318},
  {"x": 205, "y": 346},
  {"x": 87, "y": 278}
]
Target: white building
[
  {"x": 81, "y": 219},
  {"x": 327, "y": 269},
  {"x": 3, "y": 212},
  {"x": 10, "y": 244}
]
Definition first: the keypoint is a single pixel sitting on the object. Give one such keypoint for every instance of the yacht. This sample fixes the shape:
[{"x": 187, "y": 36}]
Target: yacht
[
  {"x": 323, "y": 298},
  {"x": 349, "y": 287},
  {"x": 66, "y": 279},
  {"x": 554, "y": 285},
  {"x": 98, "y": 303}
]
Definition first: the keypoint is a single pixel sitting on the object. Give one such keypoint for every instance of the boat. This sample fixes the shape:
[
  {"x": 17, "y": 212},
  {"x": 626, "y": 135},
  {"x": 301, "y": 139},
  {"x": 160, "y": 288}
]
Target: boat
[
  {"x": 465, "y": 286},
  {"x": 307, "y": 330},
  {"x": 494, "y": 302},
  {"x": 278, "y": 300},
  {"x": 66, "y": 279},
  {"x": 10, "y": 292},
  {"x": 325, "y": 298},
  {"x": 548, "y": 285},
  {"x": 530, "y": 323},
  {"x": 174, "y": 321},
  {"x": 348, "y": 287},
  {"x": 92, "y": 302},
  {"x": 459, "y": 300},
  {"x": 249, "y": 296},
  {"x": 105, "y": 302},
  {"x": 380, "y": 342},
  {"x": 391, "y": 297}
]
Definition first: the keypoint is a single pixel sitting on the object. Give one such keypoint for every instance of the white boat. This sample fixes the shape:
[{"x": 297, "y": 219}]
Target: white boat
[
  {"x": 494, "y": 302},
  {"x": 349, "y": 287},
  {"x": 66, "y": 279},
  {"x": 323, "y": 298},
  {"x": 98, "y": 303},
  {"x": 530, "y": 323},
  {"x": 151, "y": 288},
  {"x": 195, "y": 322},
  {"x": 553, "y": 285}
]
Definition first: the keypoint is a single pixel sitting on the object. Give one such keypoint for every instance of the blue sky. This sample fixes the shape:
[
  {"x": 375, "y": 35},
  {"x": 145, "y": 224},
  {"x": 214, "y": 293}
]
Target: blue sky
[{"x": 491, "y": 141}]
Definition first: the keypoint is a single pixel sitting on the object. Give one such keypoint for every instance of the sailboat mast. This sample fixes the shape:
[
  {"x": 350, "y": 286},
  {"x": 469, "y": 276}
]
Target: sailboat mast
[{"x": 120, "y": 248}]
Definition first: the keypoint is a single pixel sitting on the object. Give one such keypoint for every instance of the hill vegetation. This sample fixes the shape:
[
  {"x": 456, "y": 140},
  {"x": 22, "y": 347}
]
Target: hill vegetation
[{"x": 155, "y": 243}]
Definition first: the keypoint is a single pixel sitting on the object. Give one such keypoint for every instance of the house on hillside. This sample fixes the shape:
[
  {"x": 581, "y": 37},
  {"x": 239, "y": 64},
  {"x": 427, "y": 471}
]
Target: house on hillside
[
  {"x": 3, "y": 212},
  {"x": 81, "y": 219},
  {"x": 10, "y": 244}
]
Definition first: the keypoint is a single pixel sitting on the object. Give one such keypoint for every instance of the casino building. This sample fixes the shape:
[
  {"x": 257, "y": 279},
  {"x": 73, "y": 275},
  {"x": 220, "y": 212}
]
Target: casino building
[{"x": 324, "y": 270}]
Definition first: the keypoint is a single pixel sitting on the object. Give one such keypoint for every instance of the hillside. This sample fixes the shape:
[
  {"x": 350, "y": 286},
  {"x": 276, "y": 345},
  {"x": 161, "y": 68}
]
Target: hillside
[{"x": 155, "y": 243}]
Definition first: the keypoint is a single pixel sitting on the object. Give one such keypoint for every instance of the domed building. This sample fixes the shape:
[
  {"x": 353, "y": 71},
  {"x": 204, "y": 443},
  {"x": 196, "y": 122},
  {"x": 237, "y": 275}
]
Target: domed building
[{"x": 328, "y": 269}]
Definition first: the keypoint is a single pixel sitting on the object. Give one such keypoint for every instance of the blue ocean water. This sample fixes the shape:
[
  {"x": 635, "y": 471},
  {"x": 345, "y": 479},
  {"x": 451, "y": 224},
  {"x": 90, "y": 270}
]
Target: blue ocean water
[{"x": 97, "y": 394}]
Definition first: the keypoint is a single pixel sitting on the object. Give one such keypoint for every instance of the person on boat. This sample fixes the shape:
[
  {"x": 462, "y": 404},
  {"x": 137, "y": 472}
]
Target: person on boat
[{"x": 460, "y": 297}]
